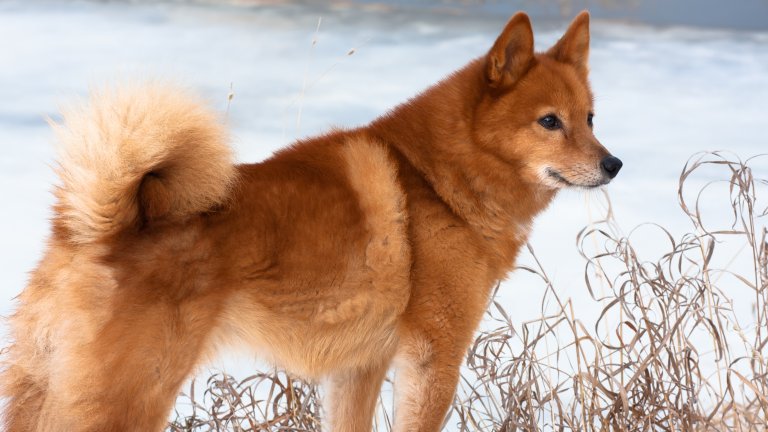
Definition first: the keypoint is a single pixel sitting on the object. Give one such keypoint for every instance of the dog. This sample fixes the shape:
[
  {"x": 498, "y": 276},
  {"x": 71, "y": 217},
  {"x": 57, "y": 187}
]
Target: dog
[{"x": 337, "y": 258}]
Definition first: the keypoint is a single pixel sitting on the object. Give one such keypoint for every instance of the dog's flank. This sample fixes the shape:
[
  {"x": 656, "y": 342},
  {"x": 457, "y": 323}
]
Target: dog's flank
[{"x": 335, "y": 258}]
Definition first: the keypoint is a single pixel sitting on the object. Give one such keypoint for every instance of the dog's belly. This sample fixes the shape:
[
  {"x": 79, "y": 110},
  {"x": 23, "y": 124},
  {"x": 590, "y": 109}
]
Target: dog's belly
[
  {"x": 315, "y": 335},
  {"x": 313, "y": 315}
]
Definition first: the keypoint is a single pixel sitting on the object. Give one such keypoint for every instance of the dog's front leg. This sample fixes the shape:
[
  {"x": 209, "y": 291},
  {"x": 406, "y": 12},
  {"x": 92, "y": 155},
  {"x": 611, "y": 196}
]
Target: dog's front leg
[
  {"x": 351, "y": 397},
  {"x": 425, "y": 382}
]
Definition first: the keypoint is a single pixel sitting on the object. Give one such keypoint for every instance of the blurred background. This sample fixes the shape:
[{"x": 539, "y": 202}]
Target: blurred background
[{"x": 671, "y": 78}]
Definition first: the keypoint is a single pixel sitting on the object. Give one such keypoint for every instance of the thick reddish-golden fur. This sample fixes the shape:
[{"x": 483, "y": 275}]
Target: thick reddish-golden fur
[{"x": 336, "y": 258}]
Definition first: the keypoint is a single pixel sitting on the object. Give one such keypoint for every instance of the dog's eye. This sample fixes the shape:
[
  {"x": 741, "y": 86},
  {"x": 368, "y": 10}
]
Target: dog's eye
[
  {"x": 590, "y": 116},
  {"x": 550, "y": 122}
]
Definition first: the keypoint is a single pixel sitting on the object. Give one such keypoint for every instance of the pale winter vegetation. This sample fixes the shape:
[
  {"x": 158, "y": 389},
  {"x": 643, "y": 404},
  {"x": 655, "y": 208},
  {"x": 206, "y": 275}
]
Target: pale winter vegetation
[{"x": 670, "y": 348}]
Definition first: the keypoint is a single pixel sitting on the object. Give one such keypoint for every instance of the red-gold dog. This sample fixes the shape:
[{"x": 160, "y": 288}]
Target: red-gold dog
[{"x": 336, "y": 258}]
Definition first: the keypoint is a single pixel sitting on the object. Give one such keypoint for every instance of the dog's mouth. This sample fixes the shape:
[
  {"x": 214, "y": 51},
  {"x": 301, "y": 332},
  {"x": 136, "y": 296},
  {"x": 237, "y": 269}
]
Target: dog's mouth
[
  {"x": 558, "y": 177},
  {"x": 558, "y": 180}
]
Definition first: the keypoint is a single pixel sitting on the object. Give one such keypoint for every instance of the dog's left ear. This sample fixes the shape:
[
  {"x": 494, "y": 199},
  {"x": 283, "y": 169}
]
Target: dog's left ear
[{"x": 573, "y": 47}]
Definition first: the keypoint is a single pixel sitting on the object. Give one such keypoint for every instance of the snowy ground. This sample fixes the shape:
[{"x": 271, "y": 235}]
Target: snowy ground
[{"x": 661, "y": 96}]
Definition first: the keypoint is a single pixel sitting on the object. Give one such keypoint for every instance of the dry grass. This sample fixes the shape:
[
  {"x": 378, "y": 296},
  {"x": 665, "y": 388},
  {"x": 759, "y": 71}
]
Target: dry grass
[
  {"x": 670, "y": 350},
  {"x": 261, "y": 402}
]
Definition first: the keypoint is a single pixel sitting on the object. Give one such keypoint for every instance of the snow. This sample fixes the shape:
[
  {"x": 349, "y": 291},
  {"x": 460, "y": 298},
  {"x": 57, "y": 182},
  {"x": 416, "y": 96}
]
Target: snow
[{"x": 661, "y": 95}]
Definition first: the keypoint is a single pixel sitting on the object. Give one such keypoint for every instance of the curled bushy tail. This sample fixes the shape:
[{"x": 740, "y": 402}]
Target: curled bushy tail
[{"x": 134, "y": 155}]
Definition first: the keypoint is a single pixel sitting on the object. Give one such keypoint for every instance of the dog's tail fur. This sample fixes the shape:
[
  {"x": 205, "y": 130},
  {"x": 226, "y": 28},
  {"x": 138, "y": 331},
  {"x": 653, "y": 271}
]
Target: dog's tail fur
[{"x": 135, "y": 155}]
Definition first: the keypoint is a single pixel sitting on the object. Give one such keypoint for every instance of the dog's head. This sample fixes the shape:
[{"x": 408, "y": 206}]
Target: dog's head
[{"x": 538, "y": 109}]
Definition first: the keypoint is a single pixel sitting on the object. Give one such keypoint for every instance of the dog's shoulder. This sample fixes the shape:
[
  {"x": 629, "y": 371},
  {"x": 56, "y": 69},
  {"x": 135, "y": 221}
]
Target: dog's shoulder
[{"x": 372, "y": 173}]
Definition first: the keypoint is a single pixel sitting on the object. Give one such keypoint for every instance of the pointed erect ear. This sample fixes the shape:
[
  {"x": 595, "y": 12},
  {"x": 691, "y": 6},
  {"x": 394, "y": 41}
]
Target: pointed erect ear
[
  {"x": 573, "y": 47},
  {"x": 512, "y": 52}
]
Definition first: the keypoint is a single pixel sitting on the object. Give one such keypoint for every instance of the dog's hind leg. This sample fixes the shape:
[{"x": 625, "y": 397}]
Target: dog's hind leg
[
  {"x": 127, "y": 377},
  {"x": 25, "y": 395},
  {"x": 25, "y": 363},
  {"x": 351, "y": 398}
]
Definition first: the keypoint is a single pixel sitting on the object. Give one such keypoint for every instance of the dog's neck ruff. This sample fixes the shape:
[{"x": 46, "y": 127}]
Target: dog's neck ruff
[{"x": 435, "y": 137}]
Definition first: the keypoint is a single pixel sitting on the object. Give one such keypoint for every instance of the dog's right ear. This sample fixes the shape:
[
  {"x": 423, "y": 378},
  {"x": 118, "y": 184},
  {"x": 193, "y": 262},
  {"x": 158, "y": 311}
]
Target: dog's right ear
[{"x": 511, "y": 54}]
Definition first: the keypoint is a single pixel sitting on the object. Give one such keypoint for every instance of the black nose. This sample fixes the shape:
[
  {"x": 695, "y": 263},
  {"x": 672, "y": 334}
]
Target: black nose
[{"x": 611, "y": 165}]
